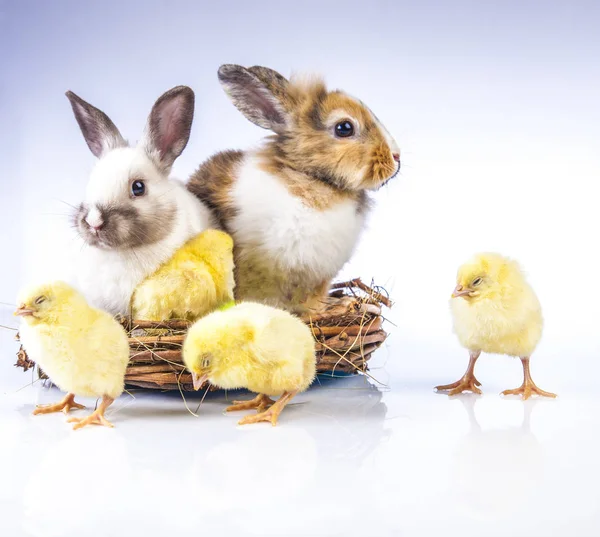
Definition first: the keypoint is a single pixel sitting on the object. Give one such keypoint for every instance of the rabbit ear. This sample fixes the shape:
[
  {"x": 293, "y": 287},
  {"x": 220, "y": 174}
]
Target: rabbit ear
[
  {"x": 259, "y": 93},
  {"x": 169, "y": 125},
  {"x": 98, "y": 130},
  {"x": 276, "y": 83}
]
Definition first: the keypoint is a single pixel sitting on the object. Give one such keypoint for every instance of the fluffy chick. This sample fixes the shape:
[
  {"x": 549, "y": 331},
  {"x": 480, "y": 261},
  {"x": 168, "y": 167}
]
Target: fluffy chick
[
  {"x": 494, "y": 310},
  {"x": 196, "y": 280},
  {"x": 82, "y": 349},
  {"x": 253, "y": 346}
]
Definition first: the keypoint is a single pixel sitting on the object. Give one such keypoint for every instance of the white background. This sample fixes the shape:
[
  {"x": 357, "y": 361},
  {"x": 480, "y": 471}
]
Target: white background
[{"x": 495, "y": 108}]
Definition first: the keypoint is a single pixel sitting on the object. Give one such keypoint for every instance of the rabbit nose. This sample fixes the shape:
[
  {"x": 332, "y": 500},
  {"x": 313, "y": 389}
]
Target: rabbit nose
[
  {"x": 396, "y": 157},
  {"x": 95, "y": 225},
  {"x": 94, "y": 220}
]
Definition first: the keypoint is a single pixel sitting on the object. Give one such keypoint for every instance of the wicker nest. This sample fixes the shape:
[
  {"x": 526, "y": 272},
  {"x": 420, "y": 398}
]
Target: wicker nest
[{"x": 347, "y": 332}]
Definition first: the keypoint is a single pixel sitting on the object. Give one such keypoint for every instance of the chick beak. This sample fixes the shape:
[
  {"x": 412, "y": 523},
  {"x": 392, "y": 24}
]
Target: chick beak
[
  {"x": 198, "y": 380},
  {"x": 23, "y": 311},
  {"x": 459, "y": 290}
]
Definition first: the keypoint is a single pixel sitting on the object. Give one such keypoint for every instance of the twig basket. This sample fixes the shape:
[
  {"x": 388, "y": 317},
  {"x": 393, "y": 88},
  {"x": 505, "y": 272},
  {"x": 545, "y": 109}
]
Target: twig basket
[{"x": 347, "y": 331}]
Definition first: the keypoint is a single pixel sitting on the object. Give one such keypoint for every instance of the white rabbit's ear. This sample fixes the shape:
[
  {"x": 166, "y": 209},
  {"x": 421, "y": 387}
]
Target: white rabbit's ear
[
  {"x": 169, "y": 125},
  {"x": 259, "y": 93},
  {"x": 98, "y": 130}
]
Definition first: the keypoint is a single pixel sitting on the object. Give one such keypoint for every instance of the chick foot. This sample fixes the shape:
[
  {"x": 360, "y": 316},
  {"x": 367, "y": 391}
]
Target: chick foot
[
  {"x": 65, "y": 406},
  {"x": 272, "y": 414},
  {"x": 96, "y": 417},
  {"x": 465, "y": 384},
  {"x": 528, "y": 388},
  {"x": 468, "y": 382},
  {"x": 260, "y": 402}
]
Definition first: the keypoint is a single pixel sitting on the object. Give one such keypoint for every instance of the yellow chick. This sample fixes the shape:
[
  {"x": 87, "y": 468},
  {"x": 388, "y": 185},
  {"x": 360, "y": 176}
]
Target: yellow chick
[
  {"x": 83, "y": 350},
  {"x": 196, "y": 280},
  {"x": 253, "y": 346},
  {"x": 494, "y": 310}
]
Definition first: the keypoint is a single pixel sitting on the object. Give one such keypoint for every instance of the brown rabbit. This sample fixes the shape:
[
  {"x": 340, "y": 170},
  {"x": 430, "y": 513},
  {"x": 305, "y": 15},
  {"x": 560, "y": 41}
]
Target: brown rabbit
[{"x": 297, "y": 205}]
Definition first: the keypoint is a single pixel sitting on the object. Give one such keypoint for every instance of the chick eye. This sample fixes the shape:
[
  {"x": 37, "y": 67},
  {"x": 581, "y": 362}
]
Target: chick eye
[
  {"x": 476, "y": 282},
  {"x": 205, "y": 363},
  {"x": 138, "y": 188},
  {"x": 40, "y": 299},
  {"x": 344, "y": 129}
]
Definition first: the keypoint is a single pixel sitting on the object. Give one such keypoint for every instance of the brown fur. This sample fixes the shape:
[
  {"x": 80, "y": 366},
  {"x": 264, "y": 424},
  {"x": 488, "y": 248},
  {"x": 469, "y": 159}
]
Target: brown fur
[
  {"x": 125, "y": 226},
  {"x": 307, "y": 157},
  {"x": 308, "y": 146},
  {"x": 319, "y": 195},
  {"x": 212, "y": 183},
  {"x": 272, "y": 79},
  {"x": 258, "y": 280}
]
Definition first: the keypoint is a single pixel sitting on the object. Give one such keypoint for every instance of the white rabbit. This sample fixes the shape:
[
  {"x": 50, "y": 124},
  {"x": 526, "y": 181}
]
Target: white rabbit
[{"x": 133, "y": 217}]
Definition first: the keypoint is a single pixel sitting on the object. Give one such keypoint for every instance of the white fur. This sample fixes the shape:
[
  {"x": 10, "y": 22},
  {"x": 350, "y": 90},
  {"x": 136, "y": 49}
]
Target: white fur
[
  {"x": 94, "y": 218},
  {"x": 108, "y": 277},
  {"x": 289, "y": 232}
]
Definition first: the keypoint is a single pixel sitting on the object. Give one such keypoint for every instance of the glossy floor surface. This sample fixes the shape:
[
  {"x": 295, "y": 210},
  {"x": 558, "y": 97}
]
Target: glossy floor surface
[{"x": 349, "y": 457}]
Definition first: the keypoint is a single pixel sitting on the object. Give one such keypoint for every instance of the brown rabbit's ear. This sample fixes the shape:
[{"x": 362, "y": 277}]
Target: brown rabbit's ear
[
  {"x": 276, "y": 83},
  {"x": 169, "y": 125},
  {"x": 98, "y": 130},
  {"x": 259, "y": 93}
]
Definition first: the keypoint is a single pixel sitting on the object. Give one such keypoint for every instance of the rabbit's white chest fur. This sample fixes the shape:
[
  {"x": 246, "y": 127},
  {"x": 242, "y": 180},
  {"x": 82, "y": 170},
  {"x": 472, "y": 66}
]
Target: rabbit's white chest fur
[
  {"x": 292, "y": 234},
  {"x": 108, "y": 278}
]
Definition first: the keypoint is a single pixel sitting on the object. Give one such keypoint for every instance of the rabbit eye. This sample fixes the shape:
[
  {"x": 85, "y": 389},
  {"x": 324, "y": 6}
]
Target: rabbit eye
[
  {"x": 344, "y": 129},
  {"x": 476, "y": 282},
  {"x": 138, "y": 188},
  {"x": 40, "y": 299}
]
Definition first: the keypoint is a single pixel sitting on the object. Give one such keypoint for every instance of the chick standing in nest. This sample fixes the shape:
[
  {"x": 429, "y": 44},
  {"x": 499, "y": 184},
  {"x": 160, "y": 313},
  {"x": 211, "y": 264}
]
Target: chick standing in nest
[
  {"x": 253, "y": 346},
  {"x": 196, "y": 280},
  {"x": 494, "y": 310},
  {"x": 83, "y": 350}
]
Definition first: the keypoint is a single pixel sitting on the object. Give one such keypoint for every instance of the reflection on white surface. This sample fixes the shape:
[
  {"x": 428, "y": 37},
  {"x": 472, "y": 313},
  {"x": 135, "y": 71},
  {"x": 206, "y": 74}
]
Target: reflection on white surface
[
  {"x": 69, "y": 482},
  {"x": 486, "y": 457},
  {"x": 161, "y": 460},
  {"x": 347, "y": 458}
]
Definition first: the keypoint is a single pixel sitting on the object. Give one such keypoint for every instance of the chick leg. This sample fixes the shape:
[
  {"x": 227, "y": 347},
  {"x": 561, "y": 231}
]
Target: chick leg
[
  {"x": 528, "y": 388},
  {"x": 468, "y": 382},
  {"x": 96, "y": 417},
  {"x": 272, "y": 413},
  {"x": 65, "y": 405},
  {"x": 261, "y": 402}
]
